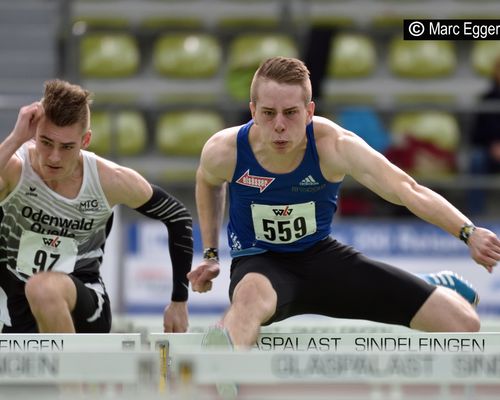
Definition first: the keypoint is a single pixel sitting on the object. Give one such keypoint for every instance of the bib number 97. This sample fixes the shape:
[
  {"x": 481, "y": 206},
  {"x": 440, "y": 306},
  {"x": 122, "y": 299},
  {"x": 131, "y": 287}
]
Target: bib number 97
[{"x": 44, "y": 261}]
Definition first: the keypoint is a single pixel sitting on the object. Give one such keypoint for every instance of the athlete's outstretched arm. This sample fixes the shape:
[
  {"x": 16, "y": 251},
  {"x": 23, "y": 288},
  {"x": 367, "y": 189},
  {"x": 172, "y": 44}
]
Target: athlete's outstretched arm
[
  {"x": 344, "y": 153},
  {"x": 387, "y": 180}
]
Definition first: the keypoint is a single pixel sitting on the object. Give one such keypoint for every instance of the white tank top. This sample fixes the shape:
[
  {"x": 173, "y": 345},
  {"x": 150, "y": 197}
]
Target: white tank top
[{"x": 42, "y": 230}]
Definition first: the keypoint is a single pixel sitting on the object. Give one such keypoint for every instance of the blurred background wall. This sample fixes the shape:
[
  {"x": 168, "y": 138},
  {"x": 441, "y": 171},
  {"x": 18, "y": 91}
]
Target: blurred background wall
[{"x": 167, "y": 74}]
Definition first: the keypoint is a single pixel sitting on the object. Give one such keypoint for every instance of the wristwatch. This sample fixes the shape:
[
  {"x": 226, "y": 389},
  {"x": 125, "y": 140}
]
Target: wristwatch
[
  {"x": 465, "y": 232},
  {"x": 211, "y": 253}
]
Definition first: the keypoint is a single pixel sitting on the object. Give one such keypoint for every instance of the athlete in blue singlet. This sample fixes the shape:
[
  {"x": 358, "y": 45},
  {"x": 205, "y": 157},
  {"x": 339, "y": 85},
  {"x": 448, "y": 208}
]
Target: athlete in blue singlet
[
  {"x": 283, "y": 170},
  {"x": 284, "y": 218}
]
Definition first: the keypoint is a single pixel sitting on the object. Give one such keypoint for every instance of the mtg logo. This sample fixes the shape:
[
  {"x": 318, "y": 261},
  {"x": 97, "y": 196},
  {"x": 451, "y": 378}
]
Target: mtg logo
[{"x": 89, "y": 206}]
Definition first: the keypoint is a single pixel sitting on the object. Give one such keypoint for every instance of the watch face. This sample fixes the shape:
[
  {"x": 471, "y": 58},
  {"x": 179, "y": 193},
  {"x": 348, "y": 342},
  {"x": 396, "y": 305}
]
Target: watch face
[{"x": 466, "y": 231}]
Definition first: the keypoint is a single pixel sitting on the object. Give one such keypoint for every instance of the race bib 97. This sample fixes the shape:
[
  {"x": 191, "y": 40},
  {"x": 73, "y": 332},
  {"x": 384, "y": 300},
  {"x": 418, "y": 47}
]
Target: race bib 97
[
  {"x": 283, "y": 223},
  {"x": 39, "y": 253}
]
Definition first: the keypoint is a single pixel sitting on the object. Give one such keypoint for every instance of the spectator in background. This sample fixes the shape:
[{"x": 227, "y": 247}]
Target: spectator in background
[
  {"x": 486, "y": 134},
  {"x": 485, "y": 139}
]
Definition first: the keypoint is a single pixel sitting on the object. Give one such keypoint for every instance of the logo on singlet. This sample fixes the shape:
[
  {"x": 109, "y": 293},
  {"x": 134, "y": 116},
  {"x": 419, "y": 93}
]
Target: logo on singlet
[
  {"x": 308, "y": 181},
  {"x": 259, "y": 182},
  {"x": 89, "y": 205},
  {"x": 31, "y": 192}
]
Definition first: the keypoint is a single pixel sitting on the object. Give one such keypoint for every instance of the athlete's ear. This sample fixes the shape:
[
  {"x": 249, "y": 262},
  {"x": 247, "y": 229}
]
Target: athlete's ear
[
  {"x": 310, "y": 111},
  {"x": 253, "y": 110},
  {"x": 86, "y": 139}
]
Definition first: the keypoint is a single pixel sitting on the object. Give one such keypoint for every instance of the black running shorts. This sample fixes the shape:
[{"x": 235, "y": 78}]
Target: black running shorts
[
  {"x": 92, "y": 313},
  {"x": 335, "y": 280}
]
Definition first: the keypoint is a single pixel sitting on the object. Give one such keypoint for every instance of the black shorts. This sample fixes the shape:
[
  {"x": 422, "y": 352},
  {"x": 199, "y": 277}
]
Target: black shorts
[
  {"x": 337, "y": 281},
  {"x": 92, "y": 313}
]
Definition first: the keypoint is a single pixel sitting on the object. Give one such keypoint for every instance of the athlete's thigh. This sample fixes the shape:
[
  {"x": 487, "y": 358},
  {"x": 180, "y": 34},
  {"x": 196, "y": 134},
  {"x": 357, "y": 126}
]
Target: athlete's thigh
[
  {"x": 347, "y": 284},
  {"x": 92, "y": 313},
  {"x": 274, "y": 267}
]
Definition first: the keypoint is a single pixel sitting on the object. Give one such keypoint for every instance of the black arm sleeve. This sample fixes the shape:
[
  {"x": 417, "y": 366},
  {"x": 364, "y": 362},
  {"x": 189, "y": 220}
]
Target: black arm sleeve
[{"x": 177, "y": 218}]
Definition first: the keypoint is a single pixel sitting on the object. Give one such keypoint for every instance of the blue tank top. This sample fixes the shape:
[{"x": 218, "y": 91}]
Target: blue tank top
[{"x": 279, "y": 212}]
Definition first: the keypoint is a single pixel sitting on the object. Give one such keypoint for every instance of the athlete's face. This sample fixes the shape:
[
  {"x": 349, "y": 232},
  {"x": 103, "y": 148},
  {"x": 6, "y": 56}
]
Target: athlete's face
[
  {"x": 281, "y": 114},
  {"x": 58, "y": 149}
]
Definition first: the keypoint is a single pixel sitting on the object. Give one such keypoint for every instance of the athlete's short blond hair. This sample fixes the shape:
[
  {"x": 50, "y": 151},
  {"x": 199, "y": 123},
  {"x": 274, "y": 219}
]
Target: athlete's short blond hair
[{"x": 286, "y": 70}]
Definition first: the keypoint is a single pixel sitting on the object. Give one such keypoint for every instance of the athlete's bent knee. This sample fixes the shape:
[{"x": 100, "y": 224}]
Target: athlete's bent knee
[
  {"x": 45, "y": 287},
  {"x": 255, "y": 293}
]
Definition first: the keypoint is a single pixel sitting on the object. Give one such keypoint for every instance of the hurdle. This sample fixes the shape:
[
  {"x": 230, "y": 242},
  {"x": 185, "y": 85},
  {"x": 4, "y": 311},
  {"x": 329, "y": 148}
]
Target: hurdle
[
  {"x": 51, "y": 365},
  {"x": 183, "y": 359},
  {"x": 371, "y": 342},
  {"x": 36, "y": 342},
  {"x": 354, "y": 375}
]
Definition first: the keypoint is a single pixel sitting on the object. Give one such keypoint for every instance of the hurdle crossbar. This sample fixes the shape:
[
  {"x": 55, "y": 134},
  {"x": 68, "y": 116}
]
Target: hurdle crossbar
[
  {"x": 280, "y": 367},
  {"x": 69, "y": 342}
]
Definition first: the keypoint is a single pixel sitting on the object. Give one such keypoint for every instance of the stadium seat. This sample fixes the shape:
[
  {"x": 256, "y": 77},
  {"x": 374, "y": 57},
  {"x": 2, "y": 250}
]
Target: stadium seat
[
  {"x": 183, "y": 133},
  {"x": 122, "y": 133},
  {"x": 440, "y": 128},
  {"x": 101, "y": 125},
  {"x": 484, "y": 55},
  {"x": 422, "y": 59},
  {"x": 109, "y": 55},
  {"x": 132, "y": 133},
  {"x": 245, "y": 54},
  {"x": 187, "y": 56},
  {"x": 426, "y": 142},
  {"x": 351, "y": 56}
]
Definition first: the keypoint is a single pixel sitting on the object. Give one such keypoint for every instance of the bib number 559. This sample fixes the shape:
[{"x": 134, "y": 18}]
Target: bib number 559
[{"x": 284, "y": 231}]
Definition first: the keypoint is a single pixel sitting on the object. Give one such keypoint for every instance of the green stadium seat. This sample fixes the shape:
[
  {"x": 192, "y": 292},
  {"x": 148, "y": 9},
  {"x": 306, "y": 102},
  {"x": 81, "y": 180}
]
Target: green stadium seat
[
  {"x": 109, "y": 55},
  {"x": 485, "y": 54},
  {"x": 425, "y": 143},
  {"x": 101, "y": 125},
  {"x": 245, "y": 54},
  {"x": 121, "y": 133},
  {"x": 351, "y": 56},
  {"x": 422, "y": 59},
  {"x": 437, "y": 127},
  {"x": 187, "y": 56},
  {"x": 183, "y": 133}
]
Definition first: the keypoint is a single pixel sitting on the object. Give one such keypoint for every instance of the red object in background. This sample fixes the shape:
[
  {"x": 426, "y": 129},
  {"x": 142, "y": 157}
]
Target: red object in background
[{"x": 422, "y": 157}]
